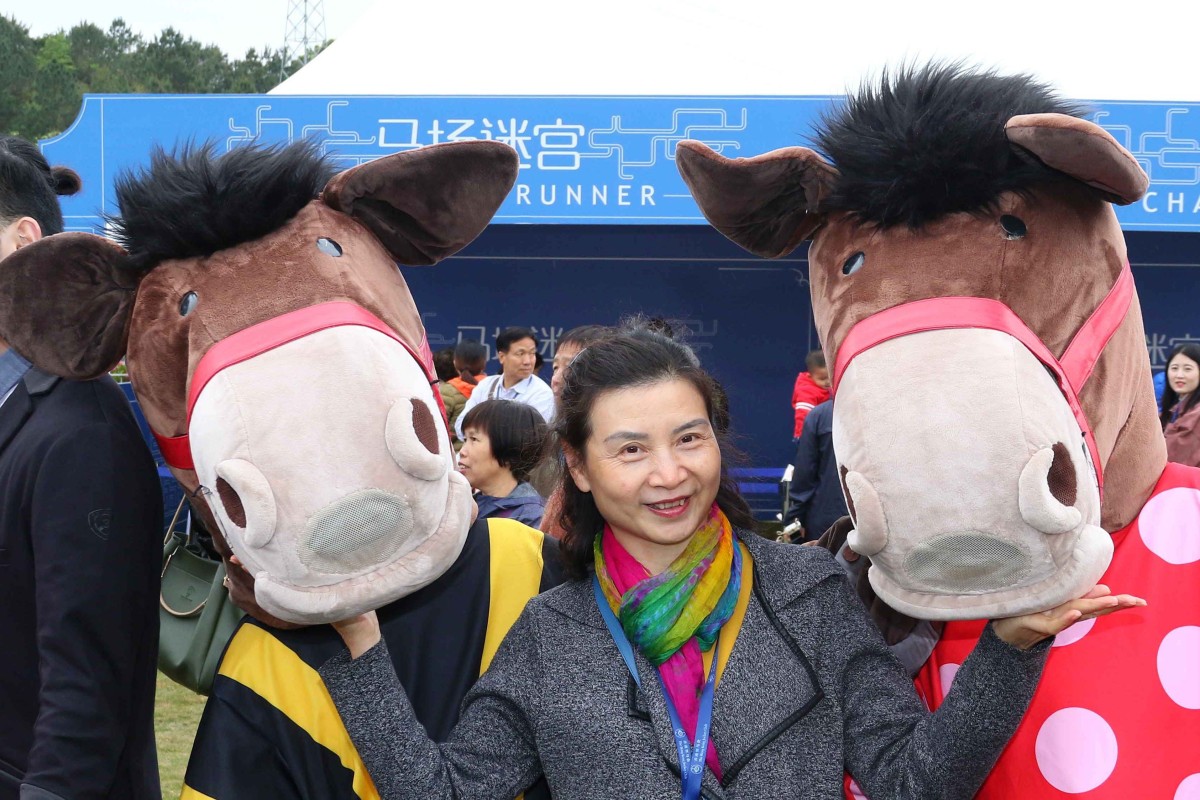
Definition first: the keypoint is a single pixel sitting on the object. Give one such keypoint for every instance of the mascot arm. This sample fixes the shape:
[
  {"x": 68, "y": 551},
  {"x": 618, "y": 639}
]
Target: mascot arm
[{"x": 234, "y": 758}]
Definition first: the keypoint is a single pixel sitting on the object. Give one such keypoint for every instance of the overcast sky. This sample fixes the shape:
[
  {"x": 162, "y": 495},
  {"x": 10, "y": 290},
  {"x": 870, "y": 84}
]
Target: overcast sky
[{"x": 233, "y": 25}]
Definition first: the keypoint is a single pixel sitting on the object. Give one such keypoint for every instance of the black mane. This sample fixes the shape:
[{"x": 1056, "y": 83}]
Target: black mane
[
  {"x": 194, "y": 202},
  {"x": 930, "y": 141}
]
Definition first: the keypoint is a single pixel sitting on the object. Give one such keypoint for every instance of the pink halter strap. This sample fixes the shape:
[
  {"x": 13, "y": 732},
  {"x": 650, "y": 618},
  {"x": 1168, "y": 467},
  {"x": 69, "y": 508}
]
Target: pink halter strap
[
  {"x": 944, "y": 313},
  {"x": 268, "y": 335}
]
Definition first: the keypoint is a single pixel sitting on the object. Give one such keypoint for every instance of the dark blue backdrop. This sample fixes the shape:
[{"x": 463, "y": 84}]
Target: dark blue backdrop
[{"x": 750, "y": 319}]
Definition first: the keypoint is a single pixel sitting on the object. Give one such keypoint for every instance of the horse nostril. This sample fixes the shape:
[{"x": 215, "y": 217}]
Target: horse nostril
[
  {"x": 1061, "y": 477},
  {"x": 248, "y": 502},
  {"x": 846, "y": 492},
  {"x": 425, "y": 427},
  {"x": 1047, "y": 491},
  {"x": 870, "y": 534},
  {"x": 409, "y": 421},
  {"x": 233, "y": 504}
]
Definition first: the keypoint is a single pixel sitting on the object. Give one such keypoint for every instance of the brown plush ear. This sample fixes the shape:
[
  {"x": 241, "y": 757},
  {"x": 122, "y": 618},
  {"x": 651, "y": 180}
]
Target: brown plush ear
[
  {"x": 65, "y": 303},
  {"x": 427, "y": 204},
  {"x": 766, "y": 204},
  {"x": 1083, "y": 150}
]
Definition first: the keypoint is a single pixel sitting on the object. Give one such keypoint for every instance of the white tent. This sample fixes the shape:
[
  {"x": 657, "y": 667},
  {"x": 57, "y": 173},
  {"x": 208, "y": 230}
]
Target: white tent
[{"x": 748, "y": 47}]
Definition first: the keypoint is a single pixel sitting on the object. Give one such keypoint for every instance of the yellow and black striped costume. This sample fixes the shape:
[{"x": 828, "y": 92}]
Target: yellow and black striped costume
[{"x": 270, "y": 730}]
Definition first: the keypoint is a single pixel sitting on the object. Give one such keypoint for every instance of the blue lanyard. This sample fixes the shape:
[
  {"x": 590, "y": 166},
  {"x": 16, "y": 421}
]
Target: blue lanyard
[{"x": 691, "y": 757}]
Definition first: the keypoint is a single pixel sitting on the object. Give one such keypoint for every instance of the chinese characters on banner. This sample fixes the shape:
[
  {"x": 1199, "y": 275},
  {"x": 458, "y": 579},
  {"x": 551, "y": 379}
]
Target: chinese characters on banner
[
  {"x": 1160, "y": 345},
  {"x": 556, "y": 145}
]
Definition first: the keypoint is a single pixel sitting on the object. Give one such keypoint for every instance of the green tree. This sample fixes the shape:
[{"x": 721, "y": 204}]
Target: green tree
[
  {"x": 43, "y": 79},
  {"x": 17, "y": 68},
  {"x": 54, "y": 99},
  {"x": 256, "y": 73}
]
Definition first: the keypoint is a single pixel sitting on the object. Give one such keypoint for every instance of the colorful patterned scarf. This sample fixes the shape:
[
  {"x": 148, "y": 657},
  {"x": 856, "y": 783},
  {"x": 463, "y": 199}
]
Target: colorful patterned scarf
[{"x": 675, "y": 616}]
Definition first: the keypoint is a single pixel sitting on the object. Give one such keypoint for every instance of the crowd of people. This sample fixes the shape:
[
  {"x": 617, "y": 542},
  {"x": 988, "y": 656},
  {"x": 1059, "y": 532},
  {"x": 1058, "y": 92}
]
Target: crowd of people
[{"x": 659, "y": 572}]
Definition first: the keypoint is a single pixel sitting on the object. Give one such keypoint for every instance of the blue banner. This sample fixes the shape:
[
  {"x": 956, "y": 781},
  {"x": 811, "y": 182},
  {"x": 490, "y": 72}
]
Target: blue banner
[{"x": 584, "y": 160}]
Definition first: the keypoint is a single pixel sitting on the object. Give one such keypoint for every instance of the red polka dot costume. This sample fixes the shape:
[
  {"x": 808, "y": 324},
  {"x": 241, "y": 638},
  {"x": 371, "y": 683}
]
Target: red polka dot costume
[
  {"x": 971, "y": 286},
  {"x": 1117, "y": 713}
]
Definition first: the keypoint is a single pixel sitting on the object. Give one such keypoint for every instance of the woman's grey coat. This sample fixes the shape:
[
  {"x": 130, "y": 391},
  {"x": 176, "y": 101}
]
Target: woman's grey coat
[{"x": 810, "y": 688}]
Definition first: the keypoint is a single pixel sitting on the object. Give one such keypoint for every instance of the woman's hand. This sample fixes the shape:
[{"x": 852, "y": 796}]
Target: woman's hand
[
  {"x": 360, "y": 633},
  {"x": 1025, "y": 631}
]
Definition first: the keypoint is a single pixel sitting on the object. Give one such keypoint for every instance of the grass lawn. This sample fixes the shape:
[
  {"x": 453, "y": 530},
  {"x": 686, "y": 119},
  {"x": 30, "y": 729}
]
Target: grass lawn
[{"x": 176, "y": 715}]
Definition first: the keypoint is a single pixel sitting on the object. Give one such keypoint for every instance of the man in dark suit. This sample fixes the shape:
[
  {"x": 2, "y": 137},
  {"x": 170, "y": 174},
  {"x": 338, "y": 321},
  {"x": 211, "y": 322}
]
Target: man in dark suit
[{"x": 80, "y": 510}]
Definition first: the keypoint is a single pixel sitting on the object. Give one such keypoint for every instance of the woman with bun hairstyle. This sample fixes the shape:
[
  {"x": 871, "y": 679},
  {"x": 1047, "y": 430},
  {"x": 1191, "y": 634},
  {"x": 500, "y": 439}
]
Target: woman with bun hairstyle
[
  {"x": 1181, "y": 405},
  {"x": 28, "y": 187},
  {"x": 80, "y": 547}
]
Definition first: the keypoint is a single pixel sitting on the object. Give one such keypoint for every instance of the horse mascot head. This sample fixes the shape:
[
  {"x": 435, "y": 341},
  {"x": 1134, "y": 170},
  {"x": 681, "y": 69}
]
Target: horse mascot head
[
  {"x": 994, "y": 419},
  {"x": 278, "y": 355}
]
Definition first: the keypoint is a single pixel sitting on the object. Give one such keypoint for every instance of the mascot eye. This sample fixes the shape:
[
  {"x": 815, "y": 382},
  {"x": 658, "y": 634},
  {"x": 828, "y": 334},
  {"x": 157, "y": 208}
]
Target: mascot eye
[
  {"x": 854, "y": 263},
  {"x": 329, "y": 247},
  {"x": 1014, "y": 227},
  {"x": 188, "y": 304}
]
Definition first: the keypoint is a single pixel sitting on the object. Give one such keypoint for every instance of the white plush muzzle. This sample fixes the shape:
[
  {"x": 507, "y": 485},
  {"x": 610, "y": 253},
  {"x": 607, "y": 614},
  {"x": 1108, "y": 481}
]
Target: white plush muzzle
[
  {"x": 320, "y": 478},
  {"x": 968, "y": 479}
]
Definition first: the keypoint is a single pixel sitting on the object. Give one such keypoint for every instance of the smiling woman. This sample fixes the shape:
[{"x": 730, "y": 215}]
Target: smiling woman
[
  {"x": 689, "y": 656},
  {"x": 1181, "y": 405},
  {"x": 643, "y": 455}
]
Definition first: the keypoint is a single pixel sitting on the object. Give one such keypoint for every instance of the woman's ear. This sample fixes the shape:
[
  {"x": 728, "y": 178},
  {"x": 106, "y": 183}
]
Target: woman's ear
[
  {"x": 19, "y": 233},
  {"x": 577, "y": 469},
  {"x": 28, "y": 231}
]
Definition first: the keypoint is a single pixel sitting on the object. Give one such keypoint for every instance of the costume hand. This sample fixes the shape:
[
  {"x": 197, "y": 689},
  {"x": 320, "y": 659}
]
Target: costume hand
[
  {"x": 1025, "y": 631},
  {"x": 360, "y": 633}
]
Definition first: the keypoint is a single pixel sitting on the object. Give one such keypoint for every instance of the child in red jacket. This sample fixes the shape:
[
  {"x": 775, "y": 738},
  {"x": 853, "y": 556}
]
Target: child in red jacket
[{"x": 812, "y": 389}]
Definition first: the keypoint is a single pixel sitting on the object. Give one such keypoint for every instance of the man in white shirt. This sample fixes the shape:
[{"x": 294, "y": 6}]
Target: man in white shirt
[{"x": 517, "y": 351}]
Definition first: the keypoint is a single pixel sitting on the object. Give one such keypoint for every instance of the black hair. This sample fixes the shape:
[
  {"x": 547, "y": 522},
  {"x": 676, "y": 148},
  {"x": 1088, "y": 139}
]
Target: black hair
[
  {"x": 443, "y": 364},
  {"x": 516, "y": 431},
  {"x": 585, "y": 335},
  {"x": 473, "y": 356},
  {"x": 510, "y": 335},
  {"x": 1170, "y": 397},
  {"x": 194, "y": 202},
  {"x": 654, "y": 325},
  {"x": 637, "y": 357},
  {"x": 29, "y": 186},
  {"x": 929, "y": 141},
  {"x": 815, "y": 360}
]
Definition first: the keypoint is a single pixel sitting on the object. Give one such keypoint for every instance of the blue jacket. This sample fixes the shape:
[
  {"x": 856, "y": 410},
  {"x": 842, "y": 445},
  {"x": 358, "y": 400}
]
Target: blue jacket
[
  {"x": 523, "y": 504},
  {"x": 816, "y": 493}
]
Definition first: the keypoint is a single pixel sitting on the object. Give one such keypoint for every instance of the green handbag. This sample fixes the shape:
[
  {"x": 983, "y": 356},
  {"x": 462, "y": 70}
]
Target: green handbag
[{"x": 196, "y": 616}]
